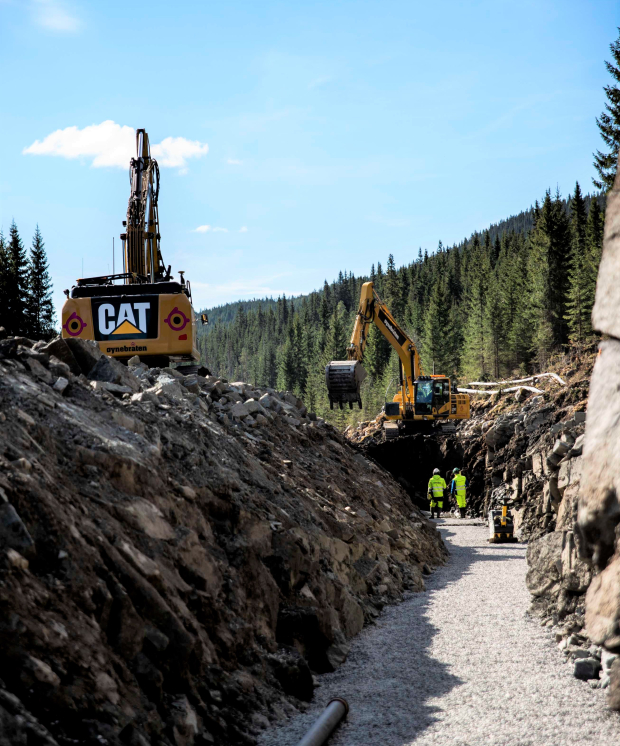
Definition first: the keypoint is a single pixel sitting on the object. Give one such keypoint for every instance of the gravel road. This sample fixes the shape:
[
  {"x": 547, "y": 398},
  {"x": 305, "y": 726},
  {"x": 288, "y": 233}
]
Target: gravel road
[{"x": 461, "y": 664}]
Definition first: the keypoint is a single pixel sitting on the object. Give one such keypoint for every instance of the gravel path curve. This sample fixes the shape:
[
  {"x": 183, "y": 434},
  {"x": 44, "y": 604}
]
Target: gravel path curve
[{"x": 461, "y": 664}]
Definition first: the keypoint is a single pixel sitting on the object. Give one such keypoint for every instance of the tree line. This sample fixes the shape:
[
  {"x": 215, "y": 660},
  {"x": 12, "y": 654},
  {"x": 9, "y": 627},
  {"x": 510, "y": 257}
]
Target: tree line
[
  {"x": 484, "y": 308},
  {"x": 25, "y": 287}
]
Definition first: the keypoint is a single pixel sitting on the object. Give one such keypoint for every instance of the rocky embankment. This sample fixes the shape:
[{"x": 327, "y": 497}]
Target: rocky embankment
[
  {"x": 599, "y": 504},
  {"x": 178, "y": 553}
]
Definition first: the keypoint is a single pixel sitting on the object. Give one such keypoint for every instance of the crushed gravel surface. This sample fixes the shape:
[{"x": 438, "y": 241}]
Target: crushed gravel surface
[{"x": 461, "y": 664}]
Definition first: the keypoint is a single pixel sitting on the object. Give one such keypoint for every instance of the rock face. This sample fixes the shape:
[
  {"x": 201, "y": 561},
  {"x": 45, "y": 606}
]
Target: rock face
[
  {"x": 178, "y": 553},
  {"x": 599, "y": 505}
]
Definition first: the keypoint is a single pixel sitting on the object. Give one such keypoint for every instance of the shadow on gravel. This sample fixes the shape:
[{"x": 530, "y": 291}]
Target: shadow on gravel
[{"x": 390, "y": 678}]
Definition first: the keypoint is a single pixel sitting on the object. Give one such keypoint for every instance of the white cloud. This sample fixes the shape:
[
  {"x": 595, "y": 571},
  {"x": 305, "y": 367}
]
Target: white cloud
[
  {"x": 202, "y": 229},
  {"x": 52, "y": 15},
  {"x": 220, "y": 230},
  {"x": 243, "y": 229},
  {"x": 173, "y": 151},
  {"x": 234, "y": 162},
  {"x": 112, "y": 145}
]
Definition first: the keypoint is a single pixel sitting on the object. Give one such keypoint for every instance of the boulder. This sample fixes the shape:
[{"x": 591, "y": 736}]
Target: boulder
[
  {"x": 586, "y": 668},
  {"x": 570, "y": 471},
  {"x": 254, "y": 407},
  {"x": 613, "y": 697},
  {"x": 85, "y": 351},
  {"x": 544, "y": 561},
  {"x": 60, "y": 349},
  {"x": 60, "y": 385},
  {"x": 499, "y": 434},
  {"x": 599, "y": 507},
  {"x": 13, "y": 532},
  {"x": 603, "y": 606},
  {"x": 109, "y": 370},
  {"x": 605, "y": 312},
  {"x": 239, "y": 410}
]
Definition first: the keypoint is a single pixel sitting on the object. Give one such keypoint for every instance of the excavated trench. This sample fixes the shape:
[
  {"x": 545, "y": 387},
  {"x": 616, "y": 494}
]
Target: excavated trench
[{"x": 411, "y": 459}]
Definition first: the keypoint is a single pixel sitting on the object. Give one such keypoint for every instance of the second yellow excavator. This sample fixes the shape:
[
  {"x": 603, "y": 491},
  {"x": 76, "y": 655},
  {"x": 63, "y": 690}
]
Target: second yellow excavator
[
  {"x": 142, "y": 311},
  {"x": 420, "y": 402}
]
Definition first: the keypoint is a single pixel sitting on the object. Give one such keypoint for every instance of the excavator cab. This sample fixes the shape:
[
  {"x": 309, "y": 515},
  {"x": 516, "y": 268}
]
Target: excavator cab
[{"x": 432, "y": 394}]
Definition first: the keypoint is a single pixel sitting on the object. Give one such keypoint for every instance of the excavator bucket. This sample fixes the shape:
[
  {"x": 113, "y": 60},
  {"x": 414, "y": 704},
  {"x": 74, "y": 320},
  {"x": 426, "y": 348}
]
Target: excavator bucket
[{"x": 344, "y": 379}]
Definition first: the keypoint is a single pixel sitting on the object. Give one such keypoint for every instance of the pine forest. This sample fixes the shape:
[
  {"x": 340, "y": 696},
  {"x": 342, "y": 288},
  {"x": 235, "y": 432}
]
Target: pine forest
[{"x": 496, "y": 304}]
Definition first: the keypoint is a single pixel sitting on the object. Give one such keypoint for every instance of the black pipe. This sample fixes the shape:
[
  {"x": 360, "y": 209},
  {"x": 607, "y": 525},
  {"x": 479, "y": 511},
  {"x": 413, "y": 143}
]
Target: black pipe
[{"x": 336, "y": 710}]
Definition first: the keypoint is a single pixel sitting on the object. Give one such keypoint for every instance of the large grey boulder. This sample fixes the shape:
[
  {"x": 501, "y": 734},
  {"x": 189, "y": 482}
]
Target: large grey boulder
[
  {"x": 13, "y": 533},
  {"x": 60, "y": 349},
  {"x": 544, "y": 561},
  {"x": 605, "y": 317},
  {"x": 109, "y": 370},
  {"x": 501, "y": 432},
  {"x": 86, "y": 353},
  {"x": 599, "y": 507}
]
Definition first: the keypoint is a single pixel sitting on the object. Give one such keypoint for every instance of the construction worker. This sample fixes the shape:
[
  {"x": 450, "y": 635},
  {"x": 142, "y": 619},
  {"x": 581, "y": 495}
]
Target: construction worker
[
  {"x": 458, "y": 489},
  {"x": 436, "y": 488}
]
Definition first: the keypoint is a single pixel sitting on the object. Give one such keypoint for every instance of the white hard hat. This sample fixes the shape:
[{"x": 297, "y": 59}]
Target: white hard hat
[{"x": 436, "y": 471}]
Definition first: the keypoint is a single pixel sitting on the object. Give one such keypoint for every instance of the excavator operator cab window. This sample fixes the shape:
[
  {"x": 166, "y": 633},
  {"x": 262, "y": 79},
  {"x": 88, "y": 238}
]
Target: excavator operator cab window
[{"x": 424, "y": 397}]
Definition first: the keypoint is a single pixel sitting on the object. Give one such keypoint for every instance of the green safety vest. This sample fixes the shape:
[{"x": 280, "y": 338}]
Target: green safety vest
[
  {"x": 436, "y": 485},
  {"x": 460, "y": 489}
]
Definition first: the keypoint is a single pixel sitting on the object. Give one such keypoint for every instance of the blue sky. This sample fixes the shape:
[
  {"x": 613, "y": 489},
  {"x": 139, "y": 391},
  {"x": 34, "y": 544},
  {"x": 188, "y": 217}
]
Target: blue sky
[{"x": 337, "y": 132}]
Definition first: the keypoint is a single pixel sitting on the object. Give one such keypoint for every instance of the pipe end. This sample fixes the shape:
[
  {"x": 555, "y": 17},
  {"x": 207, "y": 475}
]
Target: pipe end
[{"x": 343, "y": 701}]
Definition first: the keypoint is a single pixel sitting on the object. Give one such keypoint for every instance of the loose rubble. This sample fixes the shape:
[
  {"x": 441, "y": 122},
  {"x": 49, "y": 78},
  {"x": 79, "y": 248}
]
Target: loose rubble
[{"x": 179, "y": 553}]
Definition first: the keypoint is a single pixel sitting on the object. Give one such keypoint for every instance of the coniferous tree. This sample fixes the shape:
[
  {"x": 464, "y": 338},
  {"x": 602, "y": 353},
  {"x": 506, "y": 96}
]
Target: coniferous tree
[
  {"x": 577, "y": 306},
  {"x": 594, "y": 249},
  {"x": 40, "y": 309},
  {"x": 3, "y": 277},
  {"x": 436, "y": 344},
  {"x": 475, "y": 354},
  {"x": 609, "y": 124},
  {"x": 16, "y": 289}
]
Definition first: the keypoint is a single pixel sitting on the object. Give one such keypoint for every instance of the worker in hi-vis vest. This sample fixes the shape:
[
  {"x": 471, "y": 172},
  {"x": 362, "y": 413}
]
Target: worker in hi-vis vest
[
  {"x": 458, "y": 489},
  {"x": 436, "y": 489}
]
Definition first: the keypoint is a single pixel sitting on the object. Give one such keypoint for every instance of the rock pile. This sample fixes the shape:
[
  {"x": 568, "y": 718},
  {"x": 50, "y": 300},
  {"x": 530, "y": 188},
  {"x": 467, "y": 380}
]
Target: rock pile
[
  {"x": 367, "y": 433},
  {"x": 178, "y": 554}
]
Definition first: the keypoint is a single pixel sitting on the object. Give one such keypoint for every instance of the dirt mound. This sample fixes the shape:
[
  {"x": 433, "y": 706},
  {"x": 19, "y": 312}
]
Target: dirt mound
[{"x": 179, "y": 553}]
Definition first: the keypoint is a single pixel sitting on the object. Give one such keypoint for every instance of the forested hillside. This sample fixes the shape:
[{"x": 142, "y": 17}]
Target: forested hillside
[{"x": 499, "y": 302}]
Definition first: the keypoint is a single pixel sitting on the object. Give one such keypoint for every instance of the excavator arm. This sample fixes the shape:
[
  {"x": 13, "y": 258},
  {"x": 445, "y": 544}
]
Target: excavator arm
[
  {"x": 141, "y": 248},
  {"x": 344, "y": 378},
  {"x": 373, "y": 310}
]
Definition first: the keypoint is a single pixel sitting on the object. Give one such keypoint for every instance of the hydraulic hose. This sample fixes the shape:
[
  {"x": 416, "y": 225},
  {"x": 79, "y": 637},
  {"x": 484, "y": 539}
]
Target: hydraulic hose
[{"x": 327, "y": 722}]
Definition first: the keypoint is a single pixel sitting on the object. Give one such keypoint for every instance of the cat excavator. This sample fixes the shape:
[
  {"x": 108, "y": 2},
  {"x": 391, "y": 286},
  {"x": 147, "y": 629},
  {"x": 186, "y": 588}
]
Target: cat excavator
[
  {"x": 422, "y": 401},
  {"x": 142, "y": 311}
]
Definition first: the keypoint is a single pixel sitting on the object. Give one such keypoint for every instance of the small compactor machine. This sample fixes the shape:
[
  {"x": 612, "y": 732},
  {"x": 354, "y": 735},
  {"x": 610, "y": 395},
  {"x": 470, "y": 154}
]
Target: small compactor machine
[{"x": 501, "y": 526}]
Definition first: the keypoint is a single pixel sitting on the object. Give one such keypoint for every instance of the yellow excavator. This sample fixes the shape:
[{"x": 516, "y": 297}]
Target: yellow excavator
[
  {"x": 421, "y": 401},
  {"x": 143, "y": 311}
]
